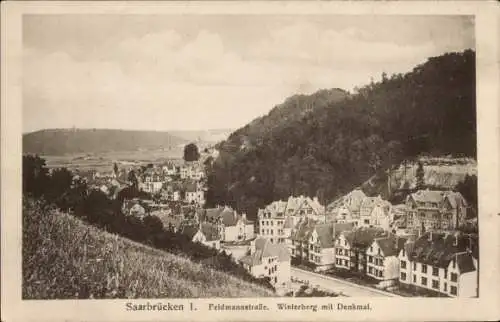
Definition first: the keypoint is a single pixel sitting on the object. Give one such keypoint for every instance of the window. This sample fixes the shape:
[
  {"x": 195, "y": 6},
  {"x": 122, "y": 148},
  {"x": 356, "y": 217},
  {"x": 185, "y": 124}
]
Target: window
[
  {"x": 445, "y": 273},
  {"x": 380, "y": 273},
  {"x": 414, "y": 266},
  {"x": 424, "y": 268},
  {"x": 453, "y": 277},
  {"x": 435, "y": 284},
  {"x": 424, "y": 281},
  {"x": 403, "y": 276},
  {"x": 370, "y": 259},
  {"x": 445, "y": 286},
  {"x": 370, "y": 269},
  {"x": 371, "y": 249},
  {"x": 379, "y": 251},
  {"x": 453, "y": 290},
  {"x": 403, "y": 264},
  {"x": 435, "y": 271},
  {"x": 414, "y": 279}
]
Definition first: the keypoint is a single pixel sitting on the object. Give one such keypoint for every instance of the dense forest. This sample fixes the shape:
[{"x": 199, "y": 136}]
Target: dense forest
[{"x": 326, "y": 144}]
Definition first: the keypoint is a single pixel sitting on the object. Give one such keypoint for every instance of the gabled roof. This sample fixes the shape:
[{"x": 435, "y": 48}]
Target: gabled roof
[
  {"x": 210, "y": 231},
  {"x": 304, "y": 230},
  {"x": 263, "y": 249},
  {"x": 363, "y": 237},
  {"x": 390, "y": 246},
  {"x": 189, "y": 230},
  {"x": 438, "y": 249},
  {"x": 427, "y": 196},
  {"x": 328, "y": 232}
]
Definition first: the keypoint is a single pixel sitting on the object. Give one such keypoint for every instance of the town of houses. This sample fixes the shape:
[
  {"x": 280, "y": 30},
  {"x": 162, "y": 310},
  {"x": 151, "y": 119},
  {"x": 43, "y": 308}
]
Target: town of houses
[{"x": 415, "y": 245}]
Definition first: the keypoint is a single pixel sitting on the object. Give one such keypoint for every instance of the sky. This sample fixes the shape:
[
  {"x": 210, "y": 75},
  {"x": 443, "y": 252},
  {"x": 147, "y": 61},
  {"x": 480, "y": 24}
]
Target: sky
[{"x": 196, "y": 72}]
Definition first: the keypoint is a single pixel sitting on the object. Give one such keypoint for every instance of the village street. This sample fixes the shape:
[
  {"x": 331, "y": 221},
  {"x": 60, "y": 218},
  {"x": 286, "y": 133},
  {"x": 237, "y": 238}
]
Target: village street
[{"x": 337, "y": 285}]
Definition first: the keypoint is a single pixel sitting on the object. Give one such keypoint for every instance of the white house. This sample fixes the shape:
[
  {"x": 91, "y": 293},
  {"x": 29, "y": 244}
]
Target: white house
[
  {"x": 232, "y": 226},
  {"x": 383, "y": 261},
  {"x": 442, "y": 263},
  {"x": 205, "y": 233},
  {"x": 266, "y": 259},
  {"x": 278, "y": 218}
]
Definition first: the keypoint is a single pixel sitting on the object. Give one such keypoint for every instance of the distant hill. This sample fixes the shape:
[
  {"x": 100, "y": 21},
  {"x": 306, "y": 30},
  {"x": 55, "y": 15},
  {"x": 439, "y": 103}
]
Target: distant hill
[
  {"x": 330, "y": 142},
  {"x": 203, "y": 136},
  {"x": 63, "y": 141},
  {"x": 64, "y": 258}
]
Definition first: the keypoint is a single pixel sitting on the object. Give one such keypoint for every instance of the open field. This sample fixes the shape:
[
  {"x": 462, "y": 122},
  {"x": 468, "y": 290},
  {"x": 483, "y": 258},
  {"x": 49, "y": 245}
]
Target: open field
[
  {"x": 103, "y": 161},
  {"x": 64, "y": 258}
]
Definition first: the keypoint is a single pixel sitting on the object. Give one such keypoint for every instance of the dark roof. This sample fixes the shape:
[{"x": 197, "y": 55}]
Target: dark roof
[
  {"x": 391, "y": 245},
  {"x": 363, "y": 237},
  {"x": 189, "y": 230},
  {"x": 264, "y": 248},
  {"x": 465, "y": 262},
  {"x": 210, "y": 231},
  {"x": 438, "y": 249},
  {"x": 304, "y": 230},
  {"x": 328, "y": 232}
]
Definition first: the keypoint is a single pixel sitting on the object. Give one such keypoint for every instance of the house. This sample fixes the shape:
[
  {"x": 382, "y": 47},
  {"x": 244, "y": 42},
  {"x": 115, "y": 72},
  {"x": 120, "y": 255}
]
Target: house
[
  {"x": 347, "y": 206},
  {"x": 315, "y": 243},
  {"x": 383, "y": 261},
  {"x": 266, "y": 259},
  {"x": 172, "y": 223},
  {"x": 278, "y": 218},
  {"x": 351, "y": 246},
  {"x": 435, "y": 210},
  {"x": 443, "y": 264},
  {"x": 133, "y": 208},
  {"x": 169, "y": 169},
  {"x": 205, "y": 233},
  {"x": 232, "y": 226},
  {"x": 193, "y": 195}
]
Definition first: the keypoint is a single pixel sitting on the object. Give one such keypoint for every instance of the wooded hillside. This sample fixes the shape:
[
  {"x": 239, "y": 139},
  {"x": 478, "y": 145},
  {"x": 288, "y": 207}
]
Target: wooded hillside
[{"x": 338, "y": 144}]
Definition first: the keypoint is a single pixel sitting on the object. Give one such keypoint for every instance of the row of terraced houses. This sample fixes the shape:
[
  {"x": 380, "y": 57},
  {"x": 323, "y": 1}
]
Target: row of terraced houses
[{"x": 415, "y": 245}]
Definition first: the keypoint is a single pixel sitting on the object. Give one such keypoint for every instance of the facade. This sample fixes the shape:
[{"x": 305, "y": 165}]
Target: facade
[
  {"x": 266, "y": 259},
  {"x": 315, "y": 243},
  {"x": 435, "y": 210},
  {"x": 277, "y": 220},
  {"x": 442, "y": 263},
  {"x": 347, "y": 206},
  {"x": 351, "y": 247},
  {"x": 204, "y": 233},
  {"x": 232, "y": 226},
  {"x": 382, "y": 259}
]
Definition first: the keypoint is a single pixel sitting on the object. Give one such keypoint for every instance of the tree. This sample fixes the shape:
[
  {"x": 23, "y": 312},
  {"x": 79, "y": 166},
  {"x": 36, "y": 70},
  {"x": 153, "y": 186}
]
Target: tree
[
  {"x": 191, "y": 152},
  {"x": 115, "y": 169},
  {"x": 35, "y": 175},
  {"x": 420, "y": 176},
  {"x": 132, "y": 177},
  {"x": 468, "y": 189}
]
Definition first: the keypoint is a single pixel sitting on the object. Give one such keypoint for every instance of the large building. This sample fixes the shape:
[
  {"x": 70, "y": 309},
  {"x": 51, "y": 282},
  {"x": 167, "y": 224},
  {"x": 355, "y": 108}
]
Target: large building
[
  {"x": 314, "y": 243},
  {"x": 442, "y": 263},
  {"x": 362, "y": 211},
  {"x": 277, "y": 220},
  {"x": 351, "y": 247},
  {"x": 435, "y": 210}
]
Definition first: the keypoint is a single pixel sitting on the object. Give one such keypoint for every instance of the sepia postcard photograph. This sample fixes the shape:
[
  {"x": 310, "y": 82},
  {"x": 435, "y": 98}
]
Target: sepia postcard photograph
[{"x": 250, "y": 161}]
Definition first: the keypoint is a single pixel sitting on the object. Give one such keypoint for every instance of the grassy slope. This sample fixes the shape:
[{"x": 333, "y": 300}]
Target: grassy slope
[{"x": 63, "y": 258}]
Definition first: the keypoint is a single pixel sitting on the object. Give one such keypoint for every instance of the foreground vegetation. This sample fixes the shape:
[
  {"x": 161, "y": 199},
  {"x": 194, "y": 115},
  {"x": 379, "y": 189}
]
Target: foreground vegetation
[{"x": 65, "y": 258}]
